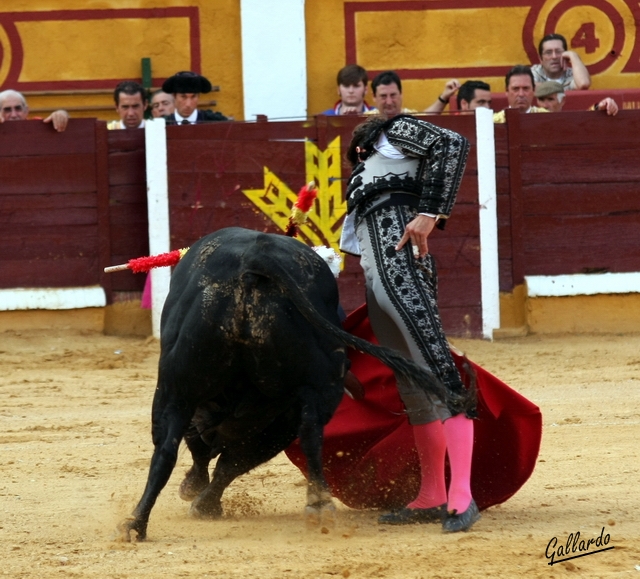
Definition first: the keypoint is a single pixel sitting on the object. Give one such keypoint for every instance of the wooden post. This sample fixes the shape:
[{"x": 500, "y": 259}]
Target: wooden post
[
  {"x": 146, "y": 73},
  {"x": 104, "y": 216},
  {"x": 488, "y": 216},
  {"x": 515, "y": 194},
  {"x": 321, "y": 132},
  {"x": 158, "y": 211}
]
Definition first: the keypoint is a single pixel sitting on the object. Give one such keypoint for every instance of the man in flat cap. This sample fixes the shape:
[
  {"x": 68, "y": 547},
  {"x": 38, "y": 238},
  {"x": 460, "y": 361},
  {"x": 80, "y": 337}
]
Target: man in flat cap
[
  {"x": 551, "y": 96},
  {"x": 186, "y": 87}
]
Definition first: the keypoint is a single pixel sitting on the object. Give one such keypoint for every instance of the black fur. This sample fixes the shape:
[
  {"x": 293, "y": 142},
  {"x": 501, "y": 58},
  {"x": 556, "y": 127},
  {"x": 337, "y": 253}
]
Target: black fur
[{"x": 252, "y": 356}]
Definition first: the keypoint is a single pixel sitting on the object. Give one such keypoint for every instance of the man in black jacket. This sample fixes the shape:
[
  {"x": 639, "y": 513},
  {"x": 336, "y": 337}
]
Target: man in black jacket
[
  {"x": 186, "y": 88},
  {"x": 405, "y": 179}
]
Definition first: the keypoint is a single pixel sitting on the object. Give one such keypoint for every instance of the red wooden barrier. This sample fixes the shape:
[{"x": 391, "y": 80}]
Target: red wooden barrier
[
  {"x": 128, "y": 223},
  {"x": 50, "y": 191},
  {"x": 75, "y": 202},
  {"x": 211, "y": 165},
  {"x": 567, "y": 194},
  {"x": 576, "y": 100},
  {"x": 70, "y": 204}
]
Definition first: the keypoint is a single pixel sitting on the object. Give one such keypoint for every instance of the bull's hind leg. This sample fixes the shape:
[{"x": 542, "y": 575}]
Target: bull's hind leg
[
  {"x": 197, "y": 477},
  {"x": 320, "y": 508},
  {"x": 239, "y": 457},
  {"x": 169, "y": 423}
]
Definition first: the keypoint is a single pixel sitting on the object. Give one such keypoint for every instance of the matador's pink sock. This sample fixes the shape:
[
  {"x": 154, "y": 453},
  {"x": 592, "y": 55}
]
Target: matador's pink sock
[
  {"x": 458, "y": 432},
  {"x": 431, "y": 445}
]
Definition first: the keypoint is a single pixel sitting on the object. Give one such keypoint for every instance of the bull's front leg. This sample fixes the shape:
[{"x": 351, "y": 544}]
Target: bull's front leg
[
  {"x": 168, "y": 430},
  {"x": 320, "y": 508}
]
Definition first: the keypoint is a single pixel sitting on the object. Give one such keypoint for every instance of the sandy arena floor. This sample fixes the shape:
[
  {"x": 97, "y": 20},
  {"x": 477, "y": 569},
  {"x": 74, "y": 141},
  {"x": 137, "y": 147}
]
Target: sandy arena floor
[{"x": 75, "y": 447}]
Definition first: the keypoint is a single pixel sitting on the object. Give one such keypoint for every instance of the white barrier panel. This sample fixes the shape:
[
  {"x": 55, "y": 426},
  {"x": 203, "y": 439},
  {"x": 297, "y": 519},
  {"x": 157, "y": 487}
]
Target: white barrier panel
[
  {"x": 158, "y": 213},
  {"x": 68, "y": 298},
  {"x": 488, "y": 215},
  {"x": 582, "y": 284}
]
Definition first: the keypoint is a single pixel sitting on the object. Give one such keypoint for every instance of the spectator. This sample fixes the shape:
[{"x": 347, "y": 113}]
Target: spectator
[
  {"x": 474, "y": 94},
  {"x": 559, "y": 64},
  {"x": 352, "y": 88},
  {"x": 131, "y": 101},
  {"x": 471, "y": 95},
  {"x": 519, "y": 85},
  {"x": 450, "y": 88},
  {"x": 162, "y": 104},
  {"x": 186, "y": 88},
  {"x": 387, "y": 94},
  {"x": 13, "y": 107},
  {"x": 551, "y": 96}
]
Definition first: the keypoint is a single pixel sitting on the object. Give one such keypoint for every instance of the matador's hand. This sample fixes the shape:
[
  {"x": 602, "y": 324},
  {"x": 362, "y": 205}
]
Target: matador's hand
[{"x": 417, "y": 232}]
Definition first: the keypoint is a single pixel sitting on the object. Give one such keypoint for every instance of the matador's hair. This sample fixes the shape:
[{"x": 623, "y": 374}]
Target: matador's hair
[{"x": 365, "y": 136}]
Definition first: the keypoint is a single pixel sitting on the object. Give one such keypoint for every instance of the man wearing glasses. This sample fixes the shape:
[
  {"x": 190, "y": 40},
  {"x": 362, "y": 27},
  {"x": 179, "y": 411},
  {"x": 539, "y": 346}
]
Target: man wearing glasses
[
  {"x": 13, "y": 107},
  {"x": 560, "y": 65}
]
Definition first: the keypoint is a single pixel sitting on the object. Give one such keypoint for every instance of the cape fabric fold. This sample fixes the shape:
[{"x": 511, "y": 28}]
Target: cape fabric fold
[{"x": 370, "y": 460}]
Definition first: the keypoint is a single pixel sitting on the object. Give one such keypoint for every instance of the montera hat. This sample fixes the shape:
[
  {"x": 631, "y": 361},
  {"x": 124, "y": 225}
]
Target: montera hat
[
  {"x": 548, "y": 87},
  {"x": 186, "y": 82}
]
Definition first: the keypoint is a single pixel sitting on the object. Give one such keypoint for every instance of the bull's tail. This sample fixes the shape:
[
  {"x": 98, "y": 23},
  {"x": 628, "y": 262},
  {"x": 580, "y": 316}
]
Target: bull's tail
[{"x": 405, "y": 370}]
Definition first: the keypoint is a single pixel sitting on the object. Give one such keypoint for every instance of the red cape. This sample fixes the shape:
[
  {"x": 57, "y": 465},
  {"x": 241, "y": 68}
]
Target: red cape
[{"x": 370, "y": 460}]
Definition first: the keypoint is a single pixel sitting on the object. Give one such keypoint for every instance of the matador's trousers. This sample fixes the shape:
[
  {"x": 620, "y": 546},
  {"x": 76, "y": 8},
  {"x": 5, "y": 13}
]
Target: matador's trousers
[{"x": 402, "y": 294}]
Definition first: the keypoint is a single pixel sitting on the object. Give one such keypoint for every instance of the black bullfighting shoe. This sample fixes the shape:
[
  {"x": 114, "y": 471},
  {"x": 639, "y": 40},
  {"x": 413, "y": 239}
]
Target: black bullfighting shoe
[
  {"x": 407, "y": 516},
  {"x": 454, "y": 522}
]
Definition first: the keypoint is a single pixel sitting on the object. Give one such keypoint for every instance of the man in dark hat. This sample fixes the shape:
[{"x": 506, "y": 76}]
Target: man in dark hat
[{"x": 186, "y": 88}]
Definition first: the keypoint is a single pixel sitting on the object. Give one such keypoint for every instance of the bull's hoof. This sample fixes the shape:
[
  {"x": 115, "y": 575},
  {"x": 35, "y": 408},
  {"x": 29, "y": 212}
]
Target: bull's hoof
[
  {"x": 199, "y": 510},
  {"x": 320, "y": 514},
  {"x": 193, "y": 484},
  {"x": 132, "y": 524}
]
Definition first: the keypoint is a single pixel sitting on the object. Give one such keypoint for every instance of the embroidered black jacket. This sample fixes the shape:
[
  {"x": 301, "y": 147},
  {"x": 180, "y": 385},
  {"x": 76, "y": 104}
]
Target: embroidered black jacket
[{"x": 438, "y": 157}]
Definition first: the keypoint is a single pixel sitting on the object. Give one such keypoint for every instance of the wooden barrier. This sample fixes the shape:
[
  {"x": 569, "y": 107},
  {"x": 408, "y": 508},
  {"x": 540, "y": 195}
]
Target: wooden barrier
[
  {"x": 70, "y": 204},
  {"x": 127, "y": 205},
  {"x": 75, "y": 202},
  {"x": 211, "y": 165},
  {"x": 575, "y": 100},
  {"x": 567, "y": 194},
  {"x": 53, "y": 196}
]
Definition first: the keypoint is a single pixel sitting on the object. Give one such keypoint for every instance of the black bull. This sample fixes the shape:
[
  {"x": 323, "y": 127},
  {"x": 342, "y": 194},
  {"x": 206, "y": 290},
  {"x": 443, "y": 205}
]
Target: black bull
[{"x": 252, "y": 356}]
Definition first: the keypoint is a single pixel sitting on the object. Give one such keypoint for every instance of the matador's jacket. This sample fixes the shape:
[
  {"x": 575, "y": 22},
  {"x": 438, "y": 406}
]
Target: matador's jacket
[{"x": 429, "y": 176}]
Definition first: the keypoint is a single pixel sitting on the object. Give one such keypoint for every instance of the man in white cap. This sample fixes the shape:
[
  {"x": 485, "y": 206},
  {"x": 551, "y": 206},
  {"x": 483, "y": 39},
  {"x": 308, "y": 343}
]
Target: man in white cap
[
  {"x": 186, "y": 87},
  {"x": 551, "y": 96}
]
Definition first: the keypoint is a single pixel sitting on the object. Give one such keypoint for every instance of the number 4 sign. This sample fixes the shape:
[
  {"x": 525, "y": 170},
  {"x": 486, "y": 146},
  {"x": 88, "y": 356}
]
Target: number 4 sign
[{"x": 586, "y": 38}]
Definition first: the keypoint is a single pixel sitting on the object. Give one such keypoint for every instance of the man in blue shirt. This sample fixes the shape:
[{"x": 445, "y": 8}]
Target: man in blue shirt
[{"x": 352, "y": 88}]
